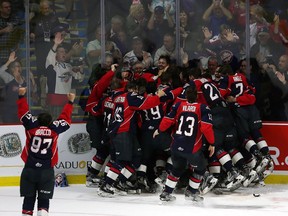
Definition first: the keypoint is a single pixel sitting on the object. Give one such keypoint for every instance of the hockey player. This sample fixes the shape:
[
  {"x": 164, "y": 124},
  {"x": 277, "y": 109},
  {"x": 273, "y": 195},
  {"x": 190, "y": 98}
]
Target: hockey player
[
  {"x": 94, "y": 125},
  {"x": 158, "y": 148},
  {"x": 240, "y": 94},
  {"x": 191, "y": 121},
  {"x": 40, "y": 154},
  {"x": 123, "y": 135},
  {"x": 225, "y": 135}
]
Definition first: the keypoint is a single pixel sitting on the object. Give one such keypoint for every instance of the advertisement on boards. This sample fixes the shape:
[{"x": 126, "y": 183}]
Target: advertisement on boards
[
  {"x": 75, "y": 152},
  {"x": 276, "y": 135}
]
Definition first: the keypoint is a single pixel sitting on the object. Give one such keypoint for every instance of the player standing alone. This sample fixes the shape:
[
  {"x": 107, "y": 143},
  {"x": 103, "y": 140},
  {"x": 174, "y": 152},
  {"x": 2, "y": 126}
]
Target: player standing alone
[{"x": 40, "y": 154}]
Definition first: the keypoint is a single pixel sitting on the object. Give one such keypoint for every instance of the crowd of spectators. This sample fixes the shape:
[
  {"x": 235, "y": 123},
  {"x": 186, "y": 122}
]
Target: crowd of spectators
[{"x": 212, "y": 33}]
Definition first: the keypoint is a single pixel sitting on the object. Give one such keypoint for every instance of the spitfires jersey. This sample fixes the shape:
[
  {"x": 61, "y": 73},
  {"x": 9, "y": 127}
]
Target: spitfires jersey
[
  {"x": 41, "y": 149},
  {"x": 151, "y": 118},
  {"x": 191, "y": 121},
  {"x": 207, "y": 92},
  {"x": 238, "y": 86},
  {"x": 97, "y": 92},
  {"x": 125, "y": 106}
]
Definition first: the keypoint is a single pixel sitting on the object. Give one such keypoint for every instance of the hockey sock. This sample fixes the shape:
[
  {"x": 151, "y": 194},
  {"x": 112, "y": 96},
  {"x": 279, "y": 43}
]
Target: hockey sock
[
  {"x": 107, "y": 167},
  {"x": 194, "y": 182},
  {"x": 251, "y": 163},
  {"x": 225, "y": 160},
  {"x": 263, "y": 146},
  {"x": 141, "y": 170},
  {"x": 112, "y": 174},
  {"x": 96, "y": 165},
  {"x": 171, "y": 183},
  {"x": 237, "y": 158},
  {"x": 214, "y": 168},
  {"x": 126, "y": 173},
  {"x": 251, "y": 146}
]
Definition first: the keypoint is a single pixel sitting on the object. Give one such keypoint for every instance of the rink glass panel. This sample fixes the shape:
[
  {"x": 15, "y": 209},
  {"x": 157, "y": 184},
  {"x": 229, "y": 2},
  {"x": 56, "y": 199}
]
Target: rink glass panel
[{"x": 83, "y": 18}]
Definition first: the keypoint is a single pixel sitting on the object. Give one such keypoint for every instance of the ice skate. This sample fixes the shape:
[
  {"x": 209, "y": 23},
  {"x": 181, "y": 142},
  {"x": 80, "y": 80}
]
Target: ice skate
[
  {"x": 234, "y": 180},
  {"x": 120, "y": 188},
  {"x": 42, "y": 212},
  {"x": 106, "y": 190},
  {"x": 165, "y": 196},
  {"x": 144, "y": 185},
  {"x": 93, "y": 181},
  {"x": 195, "y": 197},
  {"x": 132, "y": 188},
  {"x": 269, "y": 170},
  {"x": 249, "y": 176},
  {"x": 207, "y": 184},
  {"x": 262, "y": 162},
  {"x": 161, "y": 179},
  {"x": 217, "y": 191},
  {"x": 259, "y": 180}
]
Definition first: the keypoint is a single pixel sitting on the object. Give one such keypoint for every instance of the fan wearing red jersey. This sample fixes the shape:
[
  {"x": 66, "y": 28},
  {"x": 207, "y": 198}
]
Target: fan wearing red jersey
[{"x": 40, "y": 153}]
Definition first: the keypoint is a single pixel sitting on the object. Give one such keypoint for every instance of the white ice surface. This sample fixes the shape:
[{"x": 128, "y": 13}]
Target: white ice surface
[{"x": 82, "y": 201}]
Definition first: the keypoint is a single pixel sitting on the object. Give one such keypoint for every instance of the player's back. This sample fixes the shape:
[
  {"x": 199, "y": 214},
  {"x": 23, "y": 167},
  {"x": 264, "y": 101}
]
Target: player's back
[
  {"x": 208, "y": 93},
  {"x": 187, "y": 136}
]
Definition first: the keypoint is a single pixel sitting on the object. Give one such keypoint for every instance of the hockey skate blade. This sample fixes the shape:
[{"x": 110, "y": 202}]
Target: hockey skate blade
[
  {"x": 217, "y": 191},
  {"x": 120, "y": 192},
  {"x": 92, "y": 185},
  {"x": 163, "y": 201},
  {"x": 134, "y": 191},
  {"x": 191, "y": 199},
  {"x": 105, "y": 194}
]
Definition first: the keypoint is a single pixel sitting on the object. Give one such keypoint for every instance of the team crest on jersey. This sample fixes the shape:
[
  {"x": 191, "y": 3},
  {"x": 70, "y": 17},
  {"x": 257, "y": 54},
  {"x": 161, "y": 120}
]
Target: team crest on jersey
[
  {"x": 10, "y": 145},
  {"x": 79, "y": 143},
  {"x": 226, "y": 56},
  {"x": 65, "y": 77}
]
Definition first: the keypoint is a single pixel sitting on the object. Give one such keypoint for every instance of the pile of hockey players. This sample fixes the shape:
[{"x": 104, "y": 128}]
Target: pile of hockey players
[{"x": 241, "y": 157}]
